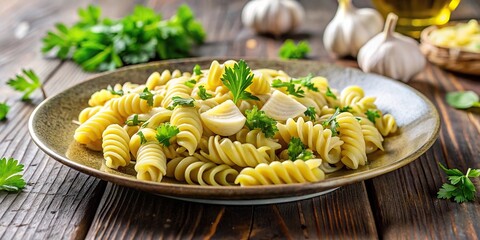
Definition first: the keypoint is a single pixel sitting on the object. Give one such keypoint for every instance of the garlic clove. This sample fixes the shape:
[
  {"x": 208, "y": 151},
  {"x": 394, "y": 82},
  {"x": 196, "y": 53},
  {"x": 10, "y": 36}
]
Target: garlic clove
[
  {"x": 350, "y": 29},
  {"x": 224, "y": 119},
  {"x": 281, "y": 107},
  {"x": 391, "y": 54}
]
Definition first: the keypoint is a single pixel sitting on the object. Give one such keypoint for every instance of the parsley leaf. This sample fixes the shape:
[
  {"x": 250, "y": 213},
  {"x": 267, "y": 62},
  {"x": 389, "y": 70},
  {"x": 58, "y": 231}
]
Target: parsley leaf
[
  {"x": 297, "y": 150},
  {"x": 332, "y": 123},
  {"x": 289, "y": 50},
  {"x": 202, "y": 93},
  {"x": 197, "y": 70},
  {"x": 165, "y": 132},
  {"x": 134, "y": 121},
  {"x": 143, "y": 140},
  {"x": 237, "y": 79},
  {"x": 147, "y": 95},
  {"x": 311, "y": 113},
  {"x": 26, "y": 84},
  {"x": 190, "y": 83},
  {"x": 460, "y": 188},
  {"x": 11, "y": 178},
  {"x": 186, "y": 102},
  {"x": 112, "y": 91},
  {"x": 329, "y": 93},
  {"x": 345, "y": 109},
  {"x": 258, "y": 119},
  {"x": 297, "y": 92},
  {"x": 372, "y": 115},
  {"x": 306, "y": 82},
  {"x": 4, "y": 108}
]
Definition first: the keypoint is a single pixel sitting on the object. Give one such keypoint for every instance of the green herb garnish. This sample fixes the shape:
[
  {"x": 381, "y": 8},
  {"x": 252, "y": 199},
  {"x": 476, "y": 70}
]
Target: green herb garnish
[
  {"x": 4, "y": 108},
  {"x": 306, "y": 82},
  {"x": 197, "y": 70},
  {"x": 237, "y": 79},
  {"x": 460, "y": 188},
  {"x": 202, "y": 93},
  {"x": 258, "y": 119},
  {"x": 311, "y": 113},
  {"x": 134, "y": 121},
  {"x": 462, "y": 100},
  {"x": 165, "y": 132},
  {"x": 11, "y": 178},
  {"x": 372, "y": 115},
  {"x": 112, "y": 91},
  {"x": 26, "y": 84},
  {"x": 345, "y": 109},
  {"x": 329, "y": 93},
  {"x": 190, "y": 83},
  {"x": 143, "y": 140},
  {"x": 186, "y": 102},
  {"x": 298, "y": 150},
  {"x": 148, "y": 96},
  {"x": 291, "y": 51},
  {"x": 291, "y": 88},
  {"x": 332, "y": 123}
]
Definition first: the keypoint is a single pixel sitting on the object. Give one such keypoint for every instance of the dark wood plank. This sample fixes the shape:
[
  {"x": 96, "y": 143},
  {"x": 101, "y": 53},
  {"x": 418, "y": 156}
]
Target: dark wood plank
[{"x": 58, "y": 201}]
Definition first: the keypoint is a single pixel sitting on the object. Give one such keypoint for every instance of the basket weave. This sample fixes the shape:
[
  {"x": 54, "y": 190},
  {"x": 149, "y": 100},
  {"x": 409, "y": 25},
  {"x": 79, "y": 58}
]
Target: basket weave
[{"x": 452, "y": 59}]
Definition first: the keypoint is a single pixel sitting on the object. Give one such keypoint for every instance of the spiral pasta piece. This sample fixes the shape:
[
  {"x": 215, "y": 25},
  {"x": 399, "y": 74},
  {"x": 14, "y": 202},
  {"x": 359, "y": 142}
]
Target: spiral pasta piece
[
  {"x": 371, "y": 135},
  {"x": 354, "y": 97},
  {"x": 87, "y": 113},
  {"x": 258, "y": 139},
  {"x": 151, "y": 162},
  {"x": 129, "y": 104},
  {"x": 162, "y": 115},
  {"x": 115, "y": 146},
  {"x": 353, "y": 148},
  {"x": 386, "y": 124},
  {"x": 91, "y": 130},
  {"x": 260, "y": 84},
  {"x": 101, "y": 97},
  {"x": 313, "y": 136},
  {"x": 224, "y": 151},
  {"x": 156, "y": 79},
  {"x": 286, "y": 172},
  {"x": 194, "y": 171},
  {"x": 190, "y": 125},
  {"x": 176, "y": 87},
  {"x": 214, "y": 76}
]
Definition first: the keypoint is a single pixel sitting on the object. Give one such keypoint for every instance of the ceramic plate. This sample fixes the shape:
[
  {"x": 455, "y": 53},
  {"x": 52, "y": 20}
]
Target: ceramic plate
[{"x": 52, "y": 129}]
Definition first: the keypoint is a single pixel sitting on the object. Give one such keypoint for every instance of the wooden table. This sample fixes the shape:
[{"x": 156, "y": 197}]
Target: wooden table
[{"x": 59, "y": 202}]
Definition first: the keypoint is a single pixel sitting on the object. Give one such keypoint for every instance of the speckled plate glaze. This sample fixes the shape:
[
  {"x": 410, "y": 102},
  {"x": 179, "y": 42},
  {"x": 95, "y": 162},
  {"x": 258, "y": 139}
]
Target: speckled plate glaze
[{"x": 52, "y": 129}]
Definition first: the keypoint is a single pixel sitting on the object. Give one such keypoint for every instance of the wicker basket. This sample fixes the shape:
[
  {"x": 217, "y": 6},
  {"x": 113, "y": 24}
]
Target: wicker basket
[{"x": 452, "y": 59}]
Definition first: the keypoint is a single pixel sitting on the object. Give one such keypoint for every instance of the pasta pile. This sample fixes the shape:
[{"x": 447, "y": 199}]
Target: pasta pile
[{"x": 230, "y": 125}]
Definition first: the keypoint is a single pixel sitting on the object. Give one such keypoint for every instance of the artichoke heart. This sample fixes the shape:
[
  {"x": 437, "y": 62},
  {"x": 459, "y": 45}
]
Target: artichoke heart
[
  {"x": 224, "y": 119},
  {"x": 281, "y": 107}
]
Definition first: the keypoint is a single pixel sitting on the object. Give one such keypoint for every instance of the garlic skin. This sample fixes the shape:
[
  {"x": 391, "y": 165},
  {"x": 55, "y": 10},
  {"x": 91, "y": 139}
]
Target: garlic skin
[
  {"x": 350, "y": 29},
  {"x": 391, "y": 54},
  {"x": 273, "y": 16}
]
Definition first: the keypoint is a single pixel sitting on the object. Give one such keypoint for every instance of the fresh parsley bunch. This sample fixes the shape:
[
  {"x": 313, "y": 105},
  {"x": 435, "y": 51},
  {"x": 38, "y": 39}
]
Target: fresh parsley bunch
[
  {"x": 104, "y": 44},
  {"x": 460, "y": 188}
]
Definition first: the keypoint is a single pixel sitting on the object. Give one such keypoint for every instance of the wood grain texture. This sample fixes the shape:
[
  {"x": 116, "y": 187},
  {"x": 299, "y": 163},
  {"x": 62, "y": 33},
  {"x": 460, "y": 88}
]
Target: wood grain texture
[{"x": 62, "y": 203}]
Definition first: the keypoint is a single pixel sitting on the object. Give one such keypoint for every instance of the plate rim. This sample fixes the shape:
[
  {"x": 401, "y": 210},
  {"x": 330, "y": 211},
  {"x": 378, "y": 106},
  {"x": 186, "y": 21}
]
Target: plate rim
[{"x": 232, "y": 193}]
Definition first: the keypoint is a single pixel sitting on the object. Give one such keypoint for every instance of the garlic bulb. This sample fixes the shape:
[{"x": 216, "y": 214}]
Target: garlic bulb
[
  {"x": 350, "y": 29},
  {"x": 281, "y": 107},
  {"x": 391, "y": 54},
  {"x": 273, "y": 16},
  {"x": 224, "y": 119}
]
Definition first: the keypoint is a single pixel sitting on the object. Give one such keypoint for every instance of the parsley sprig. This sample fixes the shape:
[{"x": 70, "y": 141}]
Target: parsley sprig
[
  {"x": 134, "y": 121},
  {"x": 27, "y": 83},
  {"x": 190, "y": 83},
  {"x": 148, "y": 96},
  {"x": 463, "y": 100},
  {"x": 329, "y": 93},
  {"x": 237, "y": 79},
  {"x": 165, "y": 132},
  {"x": 112, "y": 91},
  {"x": 372, "y": 115},
  {"x": 332, "y": 123},
  {"x": 203, "y": 94},
  {"x": 99, "y": 44},
  {"x": 311, "y": 113},
  {"x": 460, "y": 188},
  {"x": 4, "y": 108},
  {"x": 197, "y": 70},
  {"x": 292, "y": 87},
  {"x": 186, "y": 102},
  {"x": 258, "y": 119},
  {"x": 11, "y": 178},
  {"x": 298, "y": 150},
  {"x": 289, "y": 50}
]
